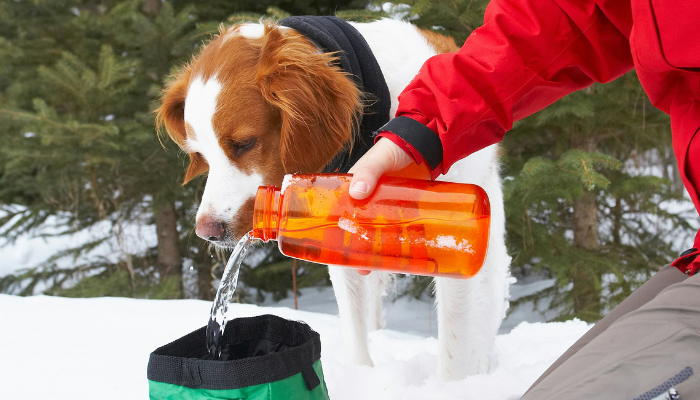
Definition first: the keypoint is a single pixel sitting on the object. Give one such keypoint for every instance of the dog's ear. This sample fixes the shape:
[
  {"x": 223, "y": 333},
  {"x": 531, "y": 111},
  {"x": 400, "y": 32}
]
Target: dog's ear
[
  {"x": 319, "y": 104},
  {"x": 171, "y": 116},
  {"x": 198, "y": 165},
  {"x": 171, "y": 113}
]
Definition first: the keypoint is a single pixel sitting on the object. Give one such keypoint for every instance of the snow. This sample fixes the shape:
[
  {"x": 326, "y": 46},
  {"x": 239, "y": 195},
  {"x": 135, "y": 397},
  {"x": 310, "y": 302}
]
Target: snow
[
  {"x": 32, "y": 249},
  {"x": 418, "y": 317},
  {"x": 289, "y": 179},
  {"x": 61, "y": 348},
  {"x": 528, "y": 311},
  {"x": 350, "y": 225},
  {"x": 449, "y": 242}
]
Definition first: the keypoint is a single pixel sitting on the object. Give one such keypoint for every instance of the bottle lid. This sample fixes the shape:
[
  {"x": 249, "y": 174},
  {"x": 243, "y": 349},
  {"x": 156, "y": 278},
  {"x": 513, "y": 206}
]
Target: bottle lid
[{"x": 266, "y": 213}]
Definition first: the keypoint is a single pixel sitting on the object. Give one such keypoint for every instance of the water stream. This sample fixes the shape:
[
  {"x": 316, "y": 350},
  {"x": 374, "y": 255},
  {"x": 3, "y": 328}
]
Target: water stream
[{"x": 229, "y": 281}]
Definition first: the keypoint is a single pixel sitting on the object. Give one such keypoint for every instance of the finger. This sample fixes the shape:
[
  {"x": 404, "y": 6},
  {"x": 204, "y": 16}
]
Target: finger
[
  {"x": 364, "y": 180},
  {"x": 369, "y": 169},
  {"x": 384, "y": 156},
  {"x": 363, "y": 272}
]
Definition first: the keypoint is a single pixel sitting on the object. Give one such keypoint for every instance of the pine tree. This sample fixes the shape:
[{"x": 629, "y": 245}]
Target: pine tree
[
  {"x": 577, "y": 205},
  {"x": 78, "y": 83},
  {"x": 78, "y": 129},
  {"x": 456, "y": 18}
]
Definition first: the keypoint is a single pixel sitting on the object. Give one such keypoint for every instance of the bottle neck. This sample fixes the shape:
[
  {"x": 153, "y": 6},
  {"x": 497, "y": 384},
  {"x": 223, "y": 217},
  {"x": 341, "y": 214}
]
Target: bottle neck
[{"x": 266, "y": 213}]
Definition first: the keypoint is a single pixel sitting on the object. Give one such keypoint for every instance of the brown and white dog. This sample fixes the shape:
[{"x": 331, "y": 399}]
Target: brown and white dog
[{"x": 260, "y": 101}]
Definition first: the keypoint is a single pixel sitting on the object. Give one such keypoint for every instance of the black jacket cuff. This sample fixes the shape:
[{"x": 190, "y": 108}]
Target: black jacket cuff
[{"x": 425, "y": 141}]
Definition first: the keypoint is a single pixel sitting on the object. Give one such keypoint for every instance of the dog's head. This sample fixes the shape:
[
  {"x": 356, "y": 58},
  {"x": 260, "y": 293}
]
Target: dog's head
[{"x": 259, "y": 101}]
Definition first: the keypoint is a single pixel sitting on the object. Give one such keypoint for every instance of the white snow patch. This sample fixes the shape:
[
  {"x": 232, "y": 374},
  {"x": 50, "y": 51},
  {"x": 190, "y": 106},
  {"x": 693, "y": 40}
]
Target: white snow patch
[
  {"x": 248, "y": 31},
  {"x": 289, "y": 179},
  {"x": 350, "y": 225},
  {"x": 103, "y": 346},
  {"x": 31, "y": 249},
  {"x": 418, "y": 317},
  {"x": 449, "y": 242},
  {"x": 251, "y": 31}
]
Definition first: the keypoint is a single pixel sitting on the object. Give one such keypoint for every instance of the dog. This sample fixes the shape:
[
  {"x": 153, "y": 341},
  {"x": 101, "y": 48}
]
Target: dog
[{"x": 262, "y": 100}]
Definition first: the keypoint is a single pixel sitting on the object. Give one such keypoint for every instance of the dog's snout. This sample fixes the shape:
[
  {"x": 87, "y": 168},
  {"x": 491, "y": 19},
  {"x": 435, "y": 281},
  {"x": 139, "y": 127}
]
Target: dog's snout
[{"x": 211, "y": 229}]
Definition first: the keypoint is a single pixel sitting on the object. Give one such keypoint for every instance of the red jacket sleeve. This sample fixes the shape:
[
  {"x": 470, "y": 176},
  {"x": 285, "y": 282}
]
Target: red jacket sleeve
[{"x": 527, "y": 55}]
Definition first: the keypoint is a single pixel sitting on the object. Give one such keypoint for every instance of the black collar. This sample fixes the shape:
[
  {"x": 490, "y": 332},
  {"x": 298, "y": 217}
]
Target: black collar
[{"x": 332, "y": 34}]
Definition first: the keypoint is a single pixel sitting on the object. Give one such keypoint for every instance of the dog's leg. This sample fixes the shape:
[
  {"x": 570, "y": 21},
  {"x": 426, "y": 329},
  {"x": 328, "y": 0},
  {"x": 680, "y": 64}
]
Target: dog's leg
[
  {"x": 469, "y": 314},
  {"x": 376, "y": 284},
  {"x": 470, "y": 311},
  {"x": 351, "y": 294}
]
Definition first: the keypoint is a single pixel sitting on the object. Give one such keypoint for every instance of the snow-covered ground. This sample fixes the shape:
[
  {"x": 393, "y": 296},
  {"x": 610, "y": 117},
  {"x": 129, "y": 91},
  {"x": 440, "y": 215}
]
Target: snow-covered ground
[
  {"x": 418, "y": 317},
  {"x": 59, "y": 348}
]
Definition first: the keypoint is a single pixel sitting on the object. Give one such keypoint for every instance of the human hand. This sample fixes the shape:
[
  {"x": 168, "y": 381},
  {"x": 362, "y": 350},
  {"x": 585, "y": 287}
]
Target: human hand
[{"x": 385, "y": 156}]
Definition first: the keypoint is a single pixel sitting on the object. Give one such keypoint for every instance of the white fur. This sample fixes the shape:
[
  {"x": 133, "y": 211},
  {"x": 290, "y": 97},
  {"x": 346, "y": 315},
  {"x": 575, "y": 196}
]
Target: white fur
[
  {"x": 227, "y": 187},
  {"x": 252, "y": 31},
  {"x": 400, "y": 50},
  {"x": 469, "y": 311},
  {"x": 248, "y": 31}
]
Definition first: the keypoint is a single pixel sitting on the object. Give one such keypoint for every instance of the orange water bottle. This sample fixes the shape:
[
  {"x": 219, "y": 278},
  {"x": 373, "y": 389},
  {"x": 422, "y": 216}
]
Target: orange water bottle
[{"x": 406, "y": 226}]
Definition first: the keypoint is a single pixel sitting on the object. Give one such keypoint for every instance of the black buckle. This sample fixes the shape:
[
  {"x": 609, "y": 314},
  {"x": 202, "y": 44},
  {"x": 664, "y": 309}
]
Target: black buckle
[
  {"x": 688, "y": 258},
  {"x": 689, "y": 251}
]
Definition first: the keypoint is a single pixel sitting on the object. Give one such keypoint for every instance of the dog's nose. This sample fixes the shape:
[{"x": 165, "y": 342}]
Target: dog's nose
[{"x": 210, "y": 229}]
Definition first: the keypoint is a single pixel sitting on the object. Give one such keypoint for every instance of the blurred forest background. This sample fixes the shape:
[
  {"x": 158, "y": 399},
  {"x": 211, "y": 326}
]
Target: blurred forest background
[{"x": 594, "y": 198}]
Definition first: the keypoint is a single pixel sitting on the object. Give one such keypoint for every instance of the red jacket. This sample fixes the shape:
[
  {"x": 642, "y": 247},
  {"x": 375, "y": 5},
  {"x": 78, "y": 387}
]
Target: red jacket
[{"x": 530, "y": 53}]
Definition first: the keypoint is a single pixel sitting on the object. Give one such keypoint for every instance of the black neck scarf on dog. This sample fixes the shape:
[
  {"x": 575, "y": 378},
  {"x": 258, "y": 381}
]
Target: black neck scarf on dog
[{"x": 332, "y": 34}]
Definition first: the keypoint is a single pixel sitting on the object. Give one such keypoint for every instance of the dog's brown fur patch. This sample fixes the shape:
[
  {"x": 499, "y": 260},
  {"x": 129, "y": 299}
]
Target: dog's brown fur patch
[
  {"x": 279, "y": 90},
  {"x": 441, "y": 43}
]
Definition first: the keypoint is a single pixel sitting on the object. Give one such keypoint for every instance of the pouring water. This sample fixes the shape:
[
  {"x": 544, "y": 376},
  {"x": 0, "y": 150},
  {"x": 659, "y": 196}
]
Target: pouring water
[{"x": 229, "y": 281}]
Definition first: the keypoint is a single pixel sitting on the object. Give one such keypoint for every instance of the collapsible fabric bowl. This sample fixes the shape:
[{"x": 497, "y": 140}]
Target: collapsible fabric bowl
[{"x": 262, "y": 358}]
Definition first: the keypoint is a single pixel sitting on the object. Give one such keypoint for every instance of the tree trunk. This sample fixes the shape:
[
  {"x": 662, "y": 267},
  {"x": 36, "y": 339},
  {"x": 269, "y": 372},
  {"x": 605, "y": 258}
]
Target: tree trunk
[
  {"x": 169, "y": 260},
  {"x": 151, "y": 7},
  {"x": 585, "y": 291},
  {"x": 294, "y": 282},
  {"x": 204, "y": 277},
  {"x": 617, "y": 222},
  {"x": 675, "y": 175}
]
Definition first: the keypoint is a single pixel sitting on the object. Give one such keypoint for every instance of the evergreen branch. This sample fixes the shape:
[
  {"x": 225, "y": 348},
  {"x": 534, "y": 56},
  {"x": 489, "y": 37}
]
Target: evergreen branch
[
  {"x": 614, "y": 164},
  {"x": 66, "y": 80},
  {"x": 569, "y": 171},
  {"x": 360, "y": 16},
  {"x": 239, "y": 18},
  {"x": 30, "y": 117},
  {"x": 588, "y": 178},
  {"x": 277, "y": 13},
  {"x": 77, "y": 128},
  {"x": 106, "y": 69}
]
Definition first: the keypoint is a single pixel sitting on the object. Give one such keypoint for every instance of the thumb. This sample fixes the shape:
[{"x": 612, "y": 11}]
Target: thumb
[{"x": 383, "y": 157}]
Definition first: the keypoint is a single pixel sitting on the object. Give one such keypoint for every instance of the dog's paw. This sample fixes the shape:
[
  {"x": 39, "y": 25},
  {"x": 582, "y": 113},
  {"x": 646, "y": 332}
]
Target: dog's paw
[
  {"x": 451, "y": 369},
  {"x": 358, "y": 357}
]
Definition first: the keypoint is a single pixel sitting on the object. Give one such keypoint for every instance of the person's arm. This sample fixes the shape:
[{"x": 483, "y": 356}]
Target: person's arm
[{"x": 527, "y": 55}]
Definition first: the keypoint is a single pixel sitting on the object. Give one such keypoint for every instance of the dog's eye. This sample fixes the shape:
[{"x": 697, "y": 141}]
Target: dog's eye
[{"x": 240, "y": 148}]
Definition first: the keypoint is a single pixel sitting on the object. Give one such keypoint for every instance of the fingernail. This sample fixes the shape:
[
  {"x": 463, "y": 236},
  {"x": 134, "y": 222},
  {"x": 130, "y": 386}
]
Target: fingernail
[{"x": 360, "y": 187}]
